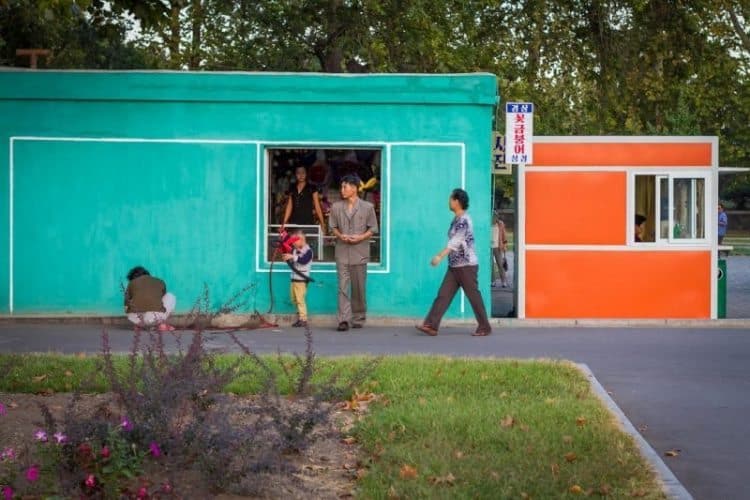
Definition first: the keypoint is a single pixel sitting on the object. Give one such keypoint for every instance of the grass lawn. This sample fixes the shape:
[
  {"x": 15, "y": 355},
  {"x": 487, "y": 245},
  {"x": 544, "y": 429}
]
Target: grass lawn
[{"x": 453, "y": 428}]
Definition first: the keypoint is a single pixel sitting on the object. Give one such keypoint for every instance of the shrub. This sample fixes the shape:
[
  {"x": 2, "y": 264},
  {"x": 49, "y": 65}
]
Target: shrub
[{"x": 167, "y": 411}]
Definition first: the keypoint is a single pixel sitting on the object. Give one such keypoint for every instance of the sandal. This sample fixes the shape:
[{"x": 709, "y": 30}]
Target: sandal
[
  {"x": 426, "y": 329},
  {"x": 481, "y": 333}
]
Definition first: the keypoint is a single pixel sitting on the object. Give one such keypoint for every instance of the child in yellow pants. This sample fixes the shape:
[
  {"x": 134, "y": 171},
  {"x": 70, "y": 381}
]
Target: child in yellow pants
[{"x": 301, "y": 262}]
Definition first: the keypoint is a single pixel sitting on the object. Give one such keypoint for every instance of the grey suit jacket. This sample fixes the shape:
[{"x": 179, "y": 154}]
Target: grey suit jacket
[{"x": 361, "y": 218}]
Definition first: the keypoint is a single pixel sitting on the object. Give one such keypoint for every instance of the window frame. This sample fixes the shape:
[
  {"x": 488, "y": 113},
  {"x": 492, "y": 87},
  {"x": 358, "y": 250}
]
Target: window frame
[
  {"x": 670, "y": 175},
  {"x": 263, "y": 264}
]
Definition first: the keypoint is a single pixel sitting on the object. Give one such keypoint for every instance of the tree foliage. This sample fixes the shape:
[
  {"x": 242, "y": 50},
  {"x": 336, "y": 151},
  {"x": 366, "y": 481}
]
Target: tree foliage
[{"x": 590, "y": 66}]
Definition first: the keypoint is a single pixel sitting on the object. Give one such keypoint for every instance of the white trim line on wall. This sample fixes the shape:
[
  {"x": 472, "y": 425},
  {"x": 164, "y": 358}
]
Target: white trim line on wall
[
  {"x": 640, "y": 247},
  {"x": 521, "y": 224},
  {"x": 260, "y": 177},
  {"x": 615, "y": 139},
  {"x": 10, "y": 228},
  {"x": 713, "y": 231},
  {"x": 615, "y": 168}
]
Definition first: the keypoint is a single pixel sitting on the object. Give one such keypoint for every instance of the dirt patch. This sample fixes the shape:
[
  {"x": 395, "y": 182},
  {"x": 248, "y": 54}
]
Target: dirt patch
[{"x": 327, "y": 469}]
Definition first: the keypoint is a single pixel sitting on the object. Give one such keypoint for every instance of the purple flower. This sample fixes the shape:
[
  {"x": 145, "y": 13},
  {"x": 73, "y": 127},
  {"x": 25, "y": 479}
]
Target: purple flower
[
  {"x": 90, "y": 481},
  {"x": 3, "y": 410},
  {"x": 7, "y": 493},
  {"x": 8, "y": 454},
  {"x": 154, "y": 449},
  {"x": 32, "y": 473},
  {"x": 40, "y": 435},
  {"x": 105, "y": 452},
  {"x": 60, "y": 438},
  {"x": 126, "y": 424}
]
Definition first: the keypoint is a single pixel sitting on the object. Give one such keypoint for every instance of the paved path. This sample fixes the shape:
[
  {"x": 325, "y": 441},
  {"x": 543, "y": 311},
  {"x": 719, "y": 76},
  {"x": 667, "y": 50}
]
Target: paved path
[{"x": 690, "y": 387}]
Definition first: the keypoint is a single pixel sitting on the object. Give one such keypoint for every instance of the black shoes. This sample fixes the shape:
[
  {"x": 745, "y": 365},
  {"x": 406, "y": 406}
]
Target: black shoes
[
  {"x": 299, "y": 324},
  {"x": 343, "y": 326}
]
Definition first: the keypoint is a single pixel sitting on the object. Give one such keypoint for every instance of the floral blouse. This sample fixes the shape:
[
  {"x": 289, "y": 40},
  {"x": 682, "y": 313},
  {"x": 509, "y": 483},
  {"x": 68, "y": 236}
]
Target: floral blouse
[{"x": 461, "y": 242}]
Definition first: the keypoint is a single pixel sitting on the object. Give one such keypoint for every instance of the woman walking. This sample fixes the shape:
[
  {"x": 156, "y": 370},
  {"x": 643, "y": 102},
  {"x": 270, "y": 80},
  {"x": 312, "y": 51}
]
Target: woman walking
[{"x": 462, "y": 270}]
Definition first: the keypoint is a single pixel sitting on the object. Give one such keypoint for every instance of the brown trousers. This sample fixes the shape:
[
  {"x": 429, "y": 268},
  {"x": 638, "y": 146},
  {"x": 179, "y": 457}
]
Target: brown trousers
[
  {"x": 352, "y": 306},
  {"x": 459, "y": 277}
]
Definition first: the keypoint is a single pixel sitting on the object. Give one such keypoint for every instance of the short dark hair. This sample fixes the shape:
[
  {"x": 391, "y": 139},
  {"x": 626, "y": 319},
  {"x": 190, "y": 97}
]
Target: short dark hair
[
  {"x": 352, "y": 179},
  {"x": 137, "y": 272},
  {"x": 461, "y": 196},
  {"x": 721, "y": 205},
  {"x": 639, "y": 219}
]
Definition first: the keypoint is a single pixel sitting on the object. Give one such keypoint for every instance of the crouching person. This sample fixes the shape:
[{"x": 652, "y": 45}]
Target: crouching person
[{"x": 147, "y": 302}]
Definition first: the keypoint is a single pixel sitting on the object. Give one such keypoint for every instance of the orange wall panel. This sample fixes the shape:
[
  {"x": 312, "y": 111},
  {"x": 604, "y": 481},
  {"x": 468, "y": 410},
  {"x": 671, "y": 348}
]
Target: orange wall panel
[
  {"x": 618, "y": 284},
  {"x": 575, "y": 208},
  {"x": 622, "y": 154}
]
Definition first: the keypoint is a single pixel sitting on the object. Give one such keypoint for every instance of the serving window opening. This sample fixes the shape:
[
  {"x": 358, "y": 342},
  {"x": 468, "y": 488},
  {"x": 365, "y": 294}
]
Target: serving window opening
[
  {"x": 669, "y": 209},
  {"x": 319, "y": 172}
]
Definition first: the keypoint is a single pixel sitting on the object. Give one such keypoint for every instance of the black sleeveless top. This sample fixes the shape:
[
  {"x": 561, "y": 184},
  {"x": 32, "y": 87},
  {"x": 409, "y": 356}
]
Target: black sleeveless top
[{"x": 302, "y": 205}]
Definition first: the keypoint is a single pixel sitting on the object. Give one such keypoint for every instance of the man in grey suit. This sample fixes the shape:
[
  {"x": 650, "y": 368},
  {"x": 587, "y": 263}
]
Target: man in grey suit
[{"x": 353, "y": 223}]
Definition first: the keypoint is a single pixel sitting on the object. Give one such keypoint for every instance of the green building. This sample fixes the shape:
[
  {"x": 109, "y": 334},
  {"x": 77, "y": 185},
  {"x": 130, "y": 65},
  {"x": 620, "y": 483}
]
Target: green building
[{"x": 184, "y": 173}]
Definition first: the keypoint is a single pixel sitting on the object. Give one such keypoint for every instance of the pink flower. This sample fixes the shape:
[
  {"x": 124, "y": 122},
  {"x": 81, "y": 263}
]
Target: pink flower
[
  {"x": 3, "y": 410},
  {"x": 105, "y": 452},
  {"x": 126, "y": 424},
  {"x": 32, "y": 473},
  {"x": 7, "y": 493},
  {"x": 166, "y": 487},
  {"x": 154, "y": 449},
  {"x": 8, "y": 454},
  {"x": 142, "y": 492},
  {"x": 40, "y": 435},
  {"x": 60, "y": 438},
  {"x": 90, "y": 481}
]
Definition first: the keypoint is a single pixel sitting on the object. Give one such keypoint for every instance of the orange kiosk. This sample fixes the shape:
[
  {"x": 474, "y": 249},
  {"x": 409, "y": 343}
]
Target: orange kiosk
[{"x": 580, "y": 252}]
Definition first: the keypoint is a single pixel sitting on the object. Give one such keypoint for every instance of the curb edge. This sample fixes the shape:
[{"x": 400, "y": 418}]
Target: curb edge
[{"x": 673, "y": 488}]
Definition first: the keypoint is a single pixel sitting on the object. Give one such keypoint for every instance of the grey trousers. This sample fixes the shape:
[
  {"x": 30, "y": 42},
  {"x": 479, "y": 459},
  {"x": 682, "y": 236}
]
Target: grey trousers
[
  {"x": 455, "y": 278},
  {"x": 352, "y": 306}
]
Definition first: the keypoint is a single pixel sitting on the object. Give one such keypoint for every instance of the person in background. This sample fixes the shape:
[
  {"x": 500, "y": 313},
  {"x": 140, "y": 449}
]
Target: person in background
[
  {"x": 353, "y": 222},
  {"x": 640, "y": 229},
  {"x": 462, "y": 270},
  {"x": 300, "y": 261},
  {"x": 147, "y": 302},
  {"x": 499, "y": 247},
  {"x": 303, "y": 203},
  {"x": 723, "y": 224}
]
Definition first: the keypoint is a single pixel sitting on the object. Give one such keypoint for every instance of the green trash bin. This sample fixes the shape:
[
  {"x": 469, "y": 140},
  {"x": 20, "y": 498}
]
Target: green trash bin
[{"x": 721, "y": 289}]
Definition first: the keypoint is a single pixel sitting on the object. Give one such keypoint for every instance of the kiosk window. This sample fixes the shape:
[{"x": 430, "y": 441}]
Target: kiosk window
[
  {"x": 322, "y": 170},
  {"x": 669, "y": 208}
]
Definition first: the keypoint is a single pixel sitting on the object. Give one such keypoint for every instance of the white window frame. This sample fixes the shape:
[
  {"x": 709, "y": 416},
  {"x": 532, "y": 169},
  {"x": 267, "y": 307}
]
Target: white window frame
[
  {"x": 264, "y": 161},
  {"x": 670, "y": 175}
]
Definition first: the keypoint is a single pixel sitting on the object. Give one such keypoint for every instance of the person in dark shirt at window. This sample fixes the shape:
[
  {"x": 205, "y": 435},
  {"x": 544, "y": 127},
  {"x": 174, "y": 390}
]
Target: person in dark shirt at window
[
  {"x": 640, "y": 229},
  {"x": 303, "y": 202}
]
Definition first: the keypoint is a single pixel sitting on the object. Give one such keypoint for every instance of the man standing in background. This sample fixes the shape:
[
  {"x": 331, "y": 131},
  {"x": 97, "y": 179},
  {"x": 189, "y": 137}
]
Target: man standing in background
[{"x": 353, "y": 222}]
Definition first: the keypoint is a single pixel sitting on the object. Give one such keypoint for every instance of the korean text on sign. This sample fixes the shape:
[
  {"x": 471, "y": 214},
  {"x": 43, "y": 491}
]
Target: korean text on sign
[{"x": 519, "y": 131}]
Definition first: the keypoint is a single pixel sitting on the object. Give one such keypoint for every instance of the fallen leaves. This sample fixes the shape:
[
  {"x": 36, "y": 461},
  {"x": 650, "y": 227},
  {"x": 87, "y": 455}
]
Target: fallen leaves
[
  {"x": 68, "y": 373},
  {"x": 673, "y": 453},
  {"x": 507, "y": 422},
  {"x": 575, "y": 489},
  {"x": 447, "y": 480},
  {"x": 39, "y": 378},
  {"x": 570, "y": 457},
  {"x": 555, "y": 468},
  {"x": 407, "y": 472},
  {"x": 349, "y": 440},
  {"x": 581, "y": 421},
  {"x": 567, "y": 439}
]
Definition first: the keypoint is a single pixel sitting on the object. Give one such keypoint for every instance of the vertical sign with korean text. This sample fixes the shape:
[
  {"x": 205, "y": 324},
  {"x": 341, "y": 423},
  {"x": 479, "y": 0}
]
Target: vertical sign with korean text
[
  {"x": 498, "y": 155},
  {"x": 519, "y": 131}
]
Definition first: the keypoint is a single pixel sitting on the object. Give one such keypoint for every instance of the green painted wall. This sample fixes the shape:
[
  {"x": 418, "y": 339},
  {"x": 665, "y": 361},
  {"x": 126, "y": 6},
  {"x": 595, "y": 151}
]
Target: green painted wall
[{"x": 161, "y": 169}]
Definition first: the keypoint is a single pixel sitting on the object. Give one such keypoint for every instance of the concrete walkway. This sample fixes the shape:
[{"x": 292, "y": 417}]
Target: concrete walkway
[{"x": 688, "y": 389}]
